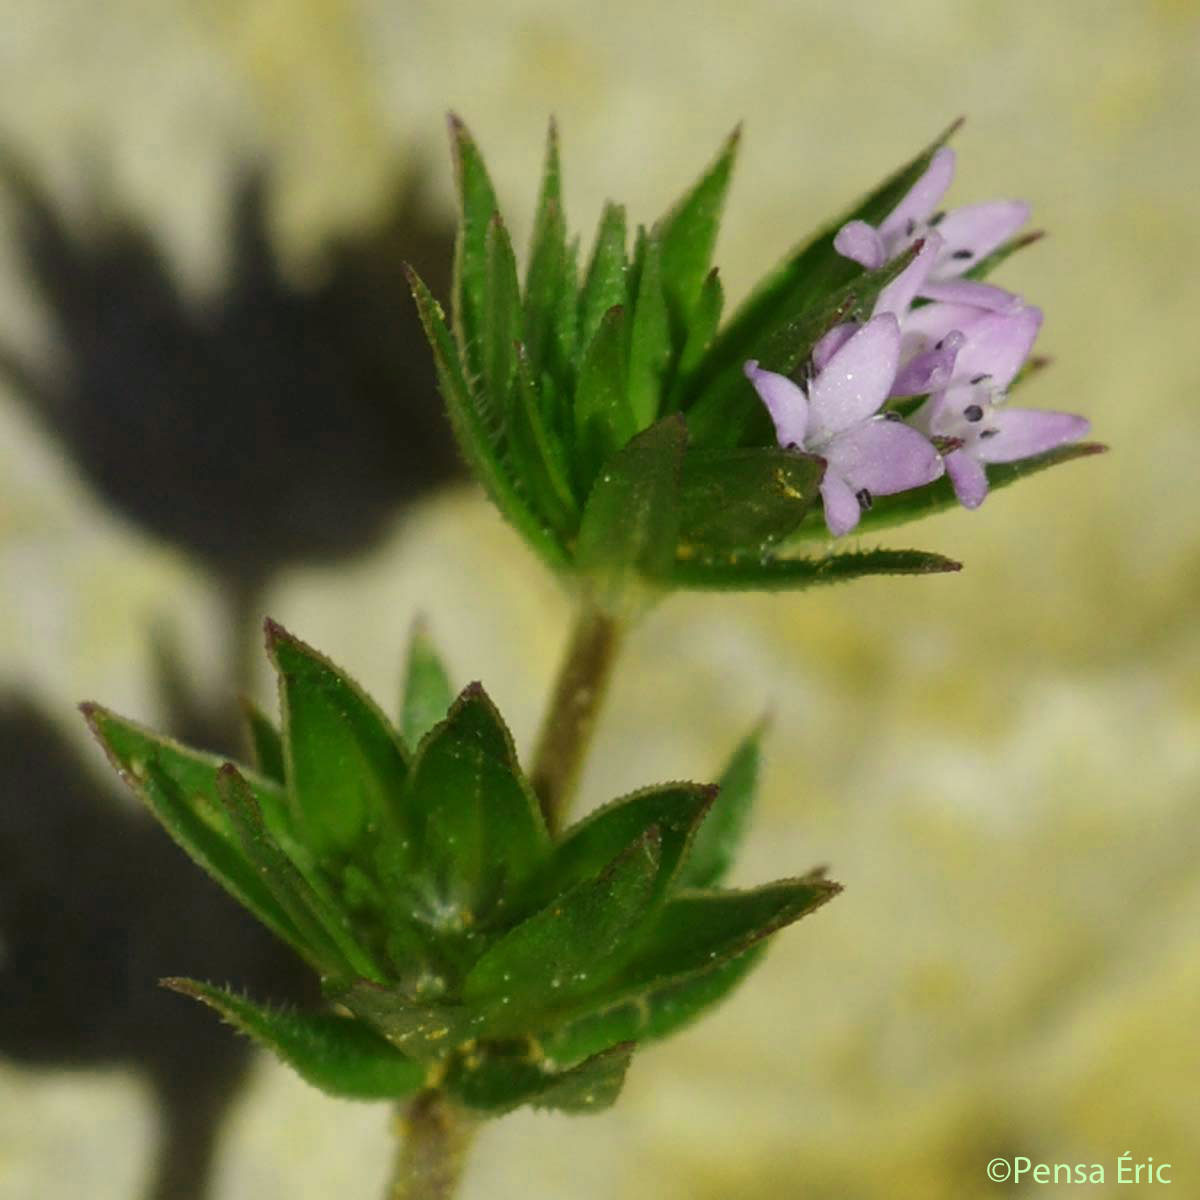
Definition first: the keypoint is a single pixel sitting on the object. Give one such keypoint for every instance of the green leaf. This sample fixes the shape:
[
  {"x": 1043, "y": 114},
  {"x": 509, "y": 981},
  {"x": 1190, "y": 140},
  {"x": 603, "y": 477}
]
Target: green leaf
[
  {"x": 697, "y": 930},
  {"x": 887, "y": 511},
  {"x": 718, "y": 838},
  {"x": 631, "y": 520},
  {"x": 702, "y": 329},
  {"x": 477, "y": 205},
  {"x": 345, "y": 764},
  {"x": 808, "y": 274},
  {"x": 179, "y": 786},
  {"x": 427, "y": 691},
  {"x": 497, "y": 1080},
  {"x": 320, "y": 920},
  {"x": 729, "y": 412},
  {"x": 501, "y": 323},
  {"x": 650, "y": 340},
  {"x": 539, "y": 452},
  {"x": 676, "y": 810},
  {"x": 743, "y": 500},
  {"x": 564, "y": 949},
  {"x": 605, "y": 285},
  {"x": 792, "y": 574},
  {"x": 429, "y": 1032},
  {"x": 985, "y": 266},
  {"x": 476, "y": 430},
  {"x": 478, "y": 831},
  {"x": 340, "y": 1056},
  {"x": 546, "y": 279},
  {"x": 265, "y": 740},
  {"x": 689, "y": 234},
  {"x": 657, "y": 1013},
  {"x": 604, "y": 420}
]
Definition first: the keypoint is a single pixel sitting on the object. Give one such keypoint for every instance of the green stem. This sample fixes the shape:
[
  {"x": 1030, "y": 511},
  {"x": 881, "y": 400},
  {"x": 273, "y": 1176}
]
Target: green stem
[
  {"x": 436, "y": 1134},
  {"x": 571, "y": 715}
]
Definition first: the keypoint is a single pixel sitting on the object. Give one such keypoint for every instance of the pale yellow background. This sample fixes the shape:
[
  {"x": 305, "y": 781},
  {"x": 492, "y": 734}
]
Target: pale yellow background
[{"x": 1002, "y": 766}]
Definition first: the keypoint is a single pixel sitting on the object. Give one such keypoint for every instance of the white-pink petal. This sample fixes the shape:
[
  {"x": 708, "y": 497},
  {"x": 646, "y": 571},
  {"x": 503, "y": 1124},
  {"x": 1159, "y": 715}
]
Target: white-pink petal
[
  {"x": 980, "y": 229},
  {"x": 842, "y": 509},
  {"x": 970, "y": 291},
  {"x": 997, "y": 345},
  {"x": 1024, "y": 432},
  {"x": 861, "y": 242},
  {"x": 884, "y": 457},
  {"x": 830, "y": 343},
  {"x": 923, "y": 197},
  {"x": 968, "y": 477},
  {"x": 856, "y": 380},
  {"x": 786, "y": 403},
  {"x": 898, "y": 296}
]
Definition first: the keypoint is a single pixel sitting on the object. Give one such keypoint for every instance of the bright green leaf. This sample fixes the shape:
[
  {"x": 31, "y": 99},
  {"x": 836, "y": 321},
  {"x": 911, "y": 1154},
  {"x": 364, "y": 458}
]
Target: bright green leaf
[
  {"x": 564, "y": 949},
  {"x": 427, "y": 690},
  {"x": 266, "y": 741},
  {"x": 689, "y": 233},
  {"x": 792, "y": 574},
  {"x": 605, "y": 286},
  {"x": 604, "y": 420},
  {"x": 345, "y": 764},
  {"x": 650, "y": 340},
  {"x": 718, "y": 838},
  {"x": 501, "y": 317},
  {"x": 546, "y": 278},
  {"x": 340, "y": 1056}
]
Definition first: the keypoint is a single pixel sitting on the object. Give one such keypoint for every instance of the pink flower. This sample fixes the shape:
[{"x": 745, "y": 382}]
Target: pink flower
[{"x": 836, "y": 416}]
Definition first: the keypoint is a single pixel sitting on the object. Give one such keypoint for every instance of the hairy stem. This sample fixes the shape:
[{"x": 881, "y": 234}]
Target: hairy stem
[
  {"x": 433, "y": 1152},
  {"x": 571, "y": 716}
]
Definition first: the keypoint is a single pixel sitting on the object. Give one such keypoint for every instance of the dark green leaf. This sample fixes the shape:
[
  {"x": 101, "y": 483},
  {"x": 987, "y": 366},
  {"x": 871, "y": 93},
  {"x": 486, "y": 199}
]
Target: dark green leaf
[
  {"x": 180, "y": 787},
  {"x": 336, "y": 1054},
  {"x": 631, "y": 520},
  {"x": 321, "y": 921},
  {"x": 605, "y": 286},
  {"x": 792, "y": 574},
  {"x": 476, "y": 430},
  {"x": 689, "y": 233},
  {"x": 478, "y": 832},
  {"x": 695, "y": 931},
  {"x": 477, "y": 205},
  {"x": 265, "y": 740},
  {"x": 345, "y": 765},
  {"x": 743, "y": 500},
  {"x": 657, "y": 1013},
  {"x": 501, "y": 324},
  {"x": 539, "y": 452},
  {"x": 675, "y": 809},
  {"x": 497, "y": 1079},
  {"x": 604, "y": 420},
  {"x": 938, "y": 496},
  {"x": 564, "y": 949},
  {"x": 429, "y": 1032},
  {"x": 718, "y": 838},
  {"x": 650, "y": 340},
  {"x": 546, "y": 279},
  {"x": 427, "y": 690},
  {"x": 813, "y": 271},
  {"x": 702, "y": 329}
]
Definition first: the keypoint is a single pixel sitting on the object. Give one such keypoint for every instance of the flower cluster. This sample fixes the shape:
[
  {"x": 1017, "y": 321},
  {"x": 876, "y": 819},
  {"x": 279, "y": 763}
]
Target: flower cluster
[{"x": 919, "y": 389}]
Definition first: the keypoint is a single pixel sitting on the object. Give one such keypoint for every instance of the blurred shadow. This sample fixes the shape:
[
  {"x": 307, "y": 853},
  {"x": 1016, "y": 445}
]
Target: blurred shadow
[
  {"x": 269, "y": 424},
  {"x": 96, "y": 905}
]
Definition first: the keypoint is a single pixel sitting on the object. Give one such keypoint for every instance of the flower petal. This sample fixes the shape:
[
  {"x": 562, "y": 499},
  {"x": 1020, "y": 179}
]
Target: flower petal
[
  {"x": 785, "y": 401},
  {"x": 1024, "y": 432},
  {"x": 832, "y": 342},
  {"x": 923, "y": 197},
  {"x": 883, "y": 456},
  {"x": 924, "y": 327},
  {"x": 968, "y": 477},
  {"x": 859, "y": 241},
  {"x": 970, "y": 291},
  {"x": 856, "y": 380},
  {"x": 930, "y": 370},
  {"x": 997, "y": 345},
  {"x": 974, "y": 231},
  {"x": 842, "y": 509},
  {"x": 898, "y": 296}
]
